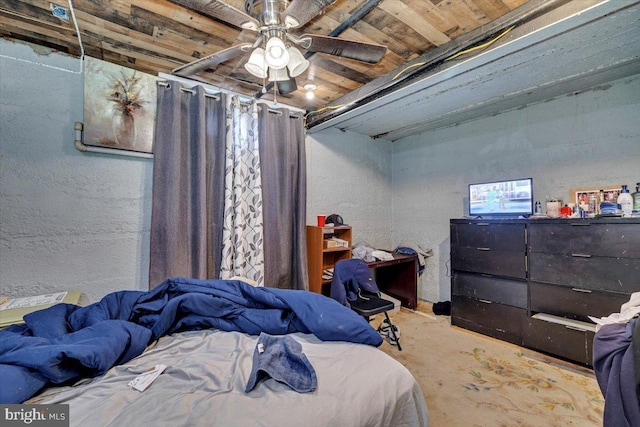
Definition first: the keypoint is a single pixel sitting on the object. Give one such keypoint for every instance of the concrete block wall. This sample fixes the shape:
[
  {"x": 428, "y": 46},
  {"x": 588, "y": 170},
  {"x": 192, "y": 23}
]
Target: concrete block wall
[
  {"x": 582, "y": 140},
  {"x": 350, "y": 175},
  {"x": 586, "y": 139},
  {"x": 69, "y": 220},
  {"x": 72, "y": 220}
]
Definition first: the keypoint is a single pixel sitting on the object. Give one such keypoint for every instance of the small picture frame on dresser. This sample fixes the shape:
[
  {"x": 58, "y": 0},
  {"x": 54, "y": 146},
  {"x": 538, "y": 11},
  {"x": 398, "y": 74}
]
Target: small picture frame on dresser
[{"x": 581, "y": 195}]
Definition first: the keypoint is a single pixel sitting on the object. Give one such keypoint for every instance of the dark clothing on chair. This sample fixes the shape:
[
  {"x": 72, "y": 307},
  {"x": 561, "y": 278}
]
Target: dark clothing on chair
[{"x": 349, "y": 276}]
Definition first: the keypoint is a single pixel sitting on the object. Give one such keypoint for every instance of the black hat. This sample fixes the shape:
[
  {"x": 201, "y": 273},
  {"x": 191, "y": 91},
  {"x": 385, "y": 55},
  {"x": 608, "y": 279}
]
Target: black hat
[{"x": 334, "y": 219}]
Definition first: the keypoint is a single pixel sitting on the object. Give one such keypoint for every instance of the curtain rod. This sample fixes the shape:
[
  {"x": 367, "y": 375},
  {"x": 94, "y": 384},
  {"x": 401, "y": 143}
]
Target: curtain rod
[
  {"x": 216, "y": 97},
  {"x": 190, "y": 83},
  {"x": 186, "y": 89}
]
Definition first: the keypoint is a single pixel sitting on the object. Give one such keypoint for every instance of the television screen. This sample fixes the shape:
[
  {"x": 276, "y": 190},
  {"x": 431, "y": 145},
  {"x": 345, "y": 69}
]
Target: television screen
[{"x": 510, "y": 198}]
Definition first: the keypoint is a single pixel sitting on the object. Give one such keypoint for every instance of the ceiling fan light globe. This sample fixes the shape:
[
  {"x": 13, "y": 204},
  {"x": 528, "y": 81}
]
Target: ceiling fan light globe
[
  {"x": 278, "y": 75},
  {"x": 276, "y": 54},
  {"x": 297, "y": 62},
  {"x": 256, "y": 64}
]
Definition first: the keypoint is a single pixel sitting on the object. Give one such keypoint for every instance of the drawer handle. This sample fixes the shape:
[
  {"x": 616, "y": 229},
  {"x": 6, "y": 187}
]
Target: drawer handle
[
  {"x": 580, "y": 224},
  {"x": 581, "y": 255},
  {"x": 482, "y": 224},
  {"x": 484, "y": 249},
  {"x": 486, "y": 301},
  {"x": 586, "y": 291}
]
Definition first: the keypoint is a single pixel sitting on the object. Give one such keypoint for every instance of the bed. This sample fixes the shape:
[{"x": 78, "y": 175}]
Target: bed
[{"x": 207, "y": 334}]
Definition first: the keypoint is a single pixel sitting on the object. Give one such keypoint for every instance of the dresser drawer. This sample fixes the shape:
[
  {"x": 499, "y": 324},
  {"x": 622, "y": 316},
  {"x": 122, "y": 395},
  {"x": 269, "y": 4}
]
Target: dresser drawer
[
  {"x": 510, "y": 237},
  {"x": 503, "y": 291},
  {"x": 575, "y": 303},
  {"x": 496, "y": 262},
  {"x": 620, "y": 275},
  {"x": 560, "y": 340},
  {"x": 608, "y": 240},
  {"x": 496, "y": 320}
]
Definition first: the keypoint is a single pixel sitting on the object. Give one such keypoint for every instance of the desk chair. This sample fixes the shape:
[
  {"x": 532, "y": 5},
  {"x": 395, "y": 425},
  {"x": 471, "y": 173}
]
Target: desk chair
[
  {"x": 369, "y": 304},
  {"x": 353, "y": 286}
]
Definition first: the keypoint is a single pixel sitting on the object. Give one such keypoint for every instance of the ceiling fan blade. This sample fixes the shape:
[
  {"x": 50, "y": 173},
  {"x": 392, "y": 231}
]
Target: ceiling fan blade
[
  {"x": 212, "y": 60},
  {"x": 222, "y": 11},
  {"x": 299, "y": 12},
  {"x": 360, "y": 51}
]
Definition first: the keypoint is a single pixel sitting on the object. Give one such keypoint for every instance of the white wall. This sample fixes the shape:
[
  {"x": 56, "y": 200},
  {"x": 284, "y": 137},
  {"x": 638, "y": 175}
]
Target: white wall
[
  {"x": 70, "y": 220},
  {"x": 589, "y": 139},
  {"x": 350, "y": 174}
]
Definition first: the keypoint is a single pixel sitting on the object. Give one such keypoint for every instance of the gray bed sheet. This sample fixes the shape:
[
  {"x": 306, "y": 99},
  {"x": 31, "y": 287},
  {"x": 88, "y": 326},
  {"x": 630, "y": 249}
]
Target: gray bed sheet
[{"x": 207, "y": 372}]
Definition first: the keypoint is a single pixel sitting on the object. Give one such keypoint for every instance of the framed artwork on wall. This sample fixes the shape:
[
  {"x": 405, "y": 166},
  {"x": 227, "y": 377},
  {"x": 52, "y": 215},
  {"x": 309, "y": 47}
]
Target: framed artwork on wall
[{"x": 119, "y": 107}]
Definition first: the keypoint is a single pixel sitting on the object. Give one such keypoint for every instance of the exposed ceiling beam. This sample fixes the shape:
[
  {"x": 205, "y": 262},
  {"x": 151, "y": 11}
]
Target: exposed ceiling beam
[{"x": 426, "y": 63}]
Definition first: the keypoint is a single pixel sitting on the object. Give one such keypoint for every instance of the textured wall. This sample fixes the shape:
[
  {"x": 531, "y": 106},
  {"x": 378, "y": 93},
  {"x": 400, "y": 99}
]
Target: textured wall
[
  {"x": 70, "y": 220},
  {"x": 73, "y": 220},
  {"x": 350, "y": 174},
  {"x": 589, "y": 139}
]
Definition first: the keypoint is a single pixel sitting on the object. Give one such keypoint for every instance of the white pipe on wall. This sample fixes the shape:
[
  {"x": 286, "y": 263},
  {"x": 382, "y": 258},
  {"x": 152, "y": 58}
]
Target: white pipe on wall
[{"x": 78, "y": 127}]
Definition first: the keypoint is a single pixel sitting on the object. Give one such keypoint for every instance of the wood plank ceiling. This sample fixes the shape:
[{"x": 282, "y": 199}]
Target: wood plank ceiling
[{"x": 155, "y": 36}]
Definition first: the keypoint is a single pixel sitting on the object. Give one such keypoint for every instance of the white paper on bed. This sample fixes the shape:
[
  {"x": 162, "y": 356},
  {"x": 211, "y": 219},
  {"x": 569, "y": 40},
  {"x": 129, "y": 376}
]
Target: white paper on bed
[{"x": 207, "y": 372}]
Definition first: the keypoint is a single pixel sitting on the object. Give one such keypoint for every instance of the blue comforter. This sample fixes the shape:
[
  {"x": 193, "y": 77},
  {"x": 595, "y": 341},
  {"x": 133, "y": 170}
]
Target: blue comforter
[
  {"x": 614, "y": 354},
  {"x": 66, "y": 342}
]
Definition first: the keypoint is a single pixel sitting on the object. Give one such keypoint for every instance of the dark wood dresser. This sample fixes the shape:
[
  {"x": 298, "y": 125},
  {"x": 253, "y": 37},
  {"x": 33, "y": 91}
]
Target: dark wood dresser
[
  {"x": 535, "y": 282},
  {"x": 489, "y": 280}
]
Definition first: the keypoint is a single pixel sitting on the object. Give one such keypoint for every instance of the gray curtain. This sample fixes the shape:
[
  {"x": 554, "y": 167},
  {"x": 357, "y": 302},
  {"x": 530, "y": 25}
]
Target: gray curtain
[
  {"x": 188, "y": 184},
  {"x": 284, "y": 186},
  {"x": 189, "y": 191}
]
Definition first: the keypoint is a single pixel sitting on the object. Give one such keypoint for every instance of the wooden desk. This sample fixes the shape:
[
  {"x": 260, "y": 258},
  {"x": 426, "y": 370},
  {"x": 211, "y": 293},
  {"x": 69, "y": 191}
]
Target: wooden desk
[{"x": 398, "y": 278}]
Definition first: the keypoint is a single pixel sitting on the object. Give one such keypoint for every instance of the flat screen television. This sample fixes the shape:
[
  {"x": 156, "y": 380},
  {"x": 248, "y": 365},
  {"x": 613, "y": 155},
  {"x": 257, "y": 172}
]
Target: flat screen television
[{"x": 508, "y": 198}]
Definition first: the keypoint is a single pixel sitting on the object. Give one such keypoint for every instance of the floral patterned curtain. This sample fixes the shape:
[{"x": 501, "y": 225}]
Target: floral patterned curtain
[{"x": 242, "y": 248}]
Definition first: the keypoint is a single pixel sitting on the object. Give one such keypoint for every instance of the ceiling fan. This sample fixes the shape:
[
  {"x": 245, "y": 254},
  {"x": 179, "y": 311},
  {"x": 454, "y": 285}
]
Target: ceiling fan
[{"x": 274, "y": 56}]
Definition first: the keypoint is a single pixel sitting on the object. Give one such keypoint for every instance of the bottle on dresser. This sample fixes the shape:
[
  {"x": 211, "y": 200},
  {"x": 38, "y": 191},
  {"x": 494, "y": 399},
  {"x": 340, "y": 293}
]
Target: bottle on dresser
[
  {"x": 625, "y": 201},
  {"x": 636, "y": 199}
]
